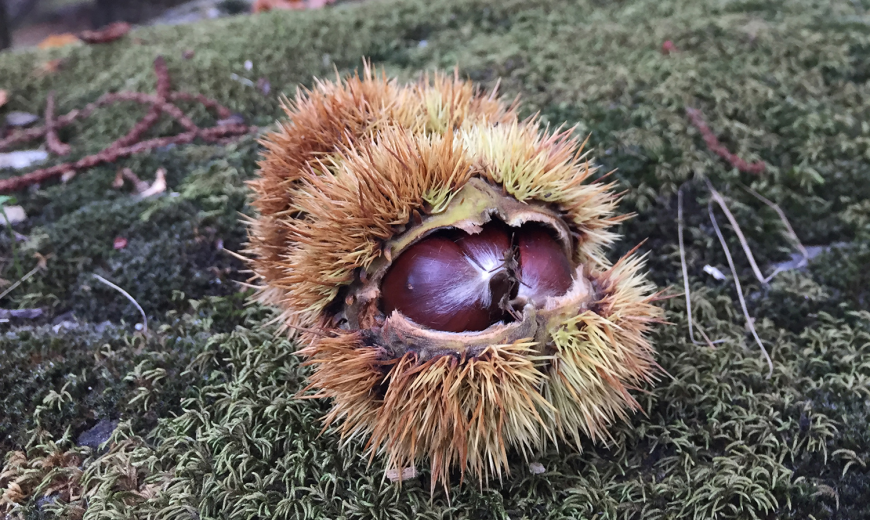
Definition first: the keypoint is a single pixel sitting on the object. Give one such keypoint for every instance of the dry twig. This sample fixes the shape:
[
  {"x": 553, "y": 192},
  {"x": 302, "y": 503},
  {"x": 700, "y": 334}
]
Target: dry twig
[
  {"x": 24, "y": 278},
  {"x": 52, "y": 140},
  {"x": 712, "y": 142},
  {"x": 132, "y": 143}
]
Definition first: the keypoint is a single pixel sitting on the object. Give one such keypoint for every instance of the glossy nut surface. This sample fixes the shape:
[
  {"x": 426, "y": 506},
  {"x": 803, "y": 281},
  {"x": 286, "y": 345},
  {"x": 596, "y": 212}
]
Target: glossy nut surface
[{"x": 459, "y": 282}]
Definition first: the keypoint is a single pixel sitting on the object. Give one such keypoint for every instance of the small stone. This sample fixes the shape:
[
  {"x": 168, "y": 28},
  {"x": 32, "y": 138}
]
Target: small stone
[
  {"x": 537, "y": 468},
  {"x": 21, "y": 118},
  {"x": 714, "y": 272},
  {"x": 97, "y": 435},
  {"x": 13, "y": 214},
  {"x": 22, "y": 159}
]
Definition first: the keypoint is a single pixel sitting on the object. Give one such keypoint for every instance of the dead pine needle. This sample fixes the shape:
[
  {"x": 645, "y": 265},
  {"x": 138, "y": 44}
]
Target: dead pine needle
[
  {"x": 22, "y": 280},
  {"x": 749, "y": 321},
  {"x": 789, "y": 230},
  {"x": 686, "y": 273},
  {"x": 743, "y": 243},
  {"x": 127, "y": 295}
]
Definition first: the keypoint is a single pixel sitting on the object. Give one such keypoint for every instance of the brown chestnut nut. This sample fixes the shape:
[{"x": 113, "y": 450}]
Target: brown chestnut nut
[
  {"x": 452, "y": 285},
  {"x": 458, "y": 282},
  {"x": 544, "y": 268}
]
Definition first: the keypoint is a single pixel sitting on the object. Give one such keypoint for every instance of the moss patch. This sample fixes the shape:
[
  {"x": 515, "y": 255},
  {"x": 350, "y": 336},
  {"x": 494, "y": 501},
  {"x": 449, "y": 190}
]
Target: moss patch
[{"x": 205, "y": 399}]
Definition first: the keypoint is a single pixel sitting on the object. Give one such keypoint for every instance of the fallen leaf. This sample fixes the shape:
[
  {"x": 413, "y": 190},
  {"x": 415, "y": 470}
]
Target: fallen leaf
[
  {"x": 4, "y": 97},
  {"x": 67, "y": 176},
  {"x": 268, "y": 5},
  {"x": 14, "y": 214},
  {"x": 394, "y": 475},
  {"x": 139, "y": 185},
  {"x": 58, "y": 40},
  {"x": 22, "y": 159},
  {"x": 118, "y": 182},
  {"x": 107, "y": 34},
  {"x": 21, "y": 118},
  {"x": 120, "y": 243},
  {"x": 158, "y": 186}
]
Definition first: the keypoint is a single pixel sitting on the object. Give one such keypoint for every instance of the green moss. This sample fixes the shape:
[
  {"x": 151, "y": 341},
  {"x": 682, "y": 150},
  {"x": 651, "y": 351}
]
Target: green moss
[{"x": 206, "y": 400}]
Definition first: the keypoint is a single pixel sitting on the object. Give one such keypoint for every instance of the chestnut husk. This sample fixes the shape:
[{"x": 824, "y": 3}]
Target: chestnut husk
[{"x": 366, "y": 172}]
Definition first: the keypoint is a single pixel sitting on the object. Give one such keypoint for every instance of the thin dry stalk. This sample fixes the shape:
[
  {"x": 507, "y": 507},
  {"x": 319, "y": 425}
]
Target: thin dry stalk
[
  {"x": 730, "y": 216},
  {"x": 789, "y": 230},
  {"x": 749, "y": 321},
  {"x": 22, "y": 280},
  {"x": 686, "y": 273},
  {"x": 125, "y": 293}
]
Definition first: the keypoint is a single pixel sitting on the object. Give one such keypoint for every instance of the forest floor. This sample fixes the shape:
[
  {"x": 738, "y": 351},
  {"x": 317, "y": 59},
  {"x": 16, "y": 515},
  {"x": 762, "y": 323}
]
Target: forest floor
[{"x": 195, "y": 416}]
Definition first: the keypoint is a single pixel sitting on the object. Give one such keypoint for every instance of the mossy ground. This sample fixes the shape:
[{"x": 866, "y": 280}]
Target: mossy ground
[{"x": 209, "y": 427}]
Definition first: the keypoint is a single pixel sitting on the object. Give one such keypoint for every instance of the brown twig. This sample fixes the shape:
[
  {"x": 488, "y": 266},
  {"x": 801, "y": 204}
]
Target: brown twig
[
  {"x": 712, "y": 142},
  {"x": 222, "y": 111},
  {"x": 52, "y": 140},
  {"x": 110, "y": 154},
  {"x": 131, "y": 143}
]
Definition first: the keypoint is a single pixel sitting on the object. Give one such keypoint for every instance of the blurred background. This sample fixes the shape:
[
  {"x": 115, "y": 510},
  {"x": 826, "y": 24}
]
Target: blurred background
[{"x": 26, "y": 23}]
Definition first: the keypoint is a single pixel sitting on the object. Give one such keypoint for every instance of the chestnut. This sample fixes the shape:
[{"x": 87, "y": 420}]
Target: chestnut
[
  {"x": 459, "y": 282},
  {"x": 544, "y": 268}
]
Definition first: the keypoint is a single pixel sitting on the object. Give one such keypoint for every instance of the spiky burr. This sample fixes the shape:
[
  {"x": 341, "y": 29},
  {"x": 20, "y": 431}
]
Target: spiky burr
[{"x": 443, "y": 265}]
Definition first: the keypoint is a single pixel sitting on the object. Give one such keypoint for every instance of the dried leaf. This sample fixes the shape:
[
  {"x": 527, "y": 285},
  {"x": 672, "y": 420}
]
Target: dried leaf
[
  {"x": 407, "y": 473},
  {"x": 268, "y": 5},
  {"x": 119, "y": 243},
  {"x": 138, "y": 184},
  {"x": 22, "y": 159},
  {"x": 4, "y": 97},
  {"x": 14, "y": 214},
  {"x": 58, "y": 40},
  {"x": 118, "y": 183},
  {"x": 158, "y": 186},
  {"x": 107, "y": 34}
]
